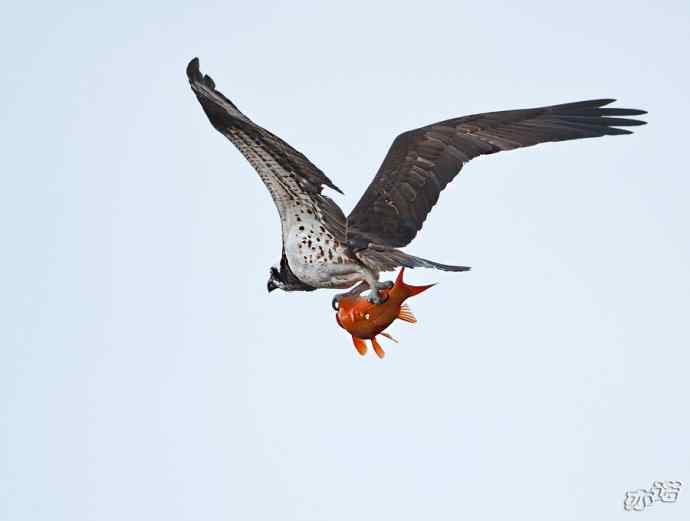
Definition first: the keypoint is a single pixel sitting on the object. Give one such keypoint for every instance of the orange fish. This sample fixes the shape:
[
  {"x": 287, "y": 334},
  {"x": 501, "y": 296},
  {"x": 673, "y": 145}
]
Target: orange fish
[{"x": 363, "y": 320}]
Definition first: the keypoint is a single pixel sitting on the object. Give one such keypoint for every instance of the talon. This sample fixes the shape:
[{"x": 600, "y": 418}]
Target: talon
[
  {"x": 376, "y": 298},
  {"x": 388, "y": 284},
  {"x": 335, "y": 303}
]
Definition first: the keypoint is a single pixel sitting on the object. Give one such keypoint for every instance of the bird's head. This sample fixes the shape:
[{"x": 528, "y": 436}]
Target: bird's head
[
  {"x": 275, "y": 280},
  {"x": 281, "y": 277}
]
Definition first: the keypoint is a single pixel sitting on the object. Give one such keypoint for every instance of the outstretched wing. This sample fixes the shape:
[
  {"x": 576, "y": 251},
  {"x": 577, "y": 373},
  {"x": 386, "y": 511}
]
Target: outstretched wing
[
  {"x": 421, "y": 162},
  {"x": 294, "y": 182}
]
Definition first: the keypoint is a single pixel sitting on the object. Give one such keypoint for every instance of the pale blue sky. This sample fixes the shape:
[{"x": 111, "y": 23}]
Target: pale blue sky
[{"x": 146, "y": 374}]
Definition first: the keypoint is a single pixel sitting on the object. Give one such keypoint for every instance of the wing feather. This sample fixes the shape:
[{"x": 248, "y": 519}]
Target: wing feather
[
  {"x": 290, "y": 177},
  {"x": 421, "y": 162}
]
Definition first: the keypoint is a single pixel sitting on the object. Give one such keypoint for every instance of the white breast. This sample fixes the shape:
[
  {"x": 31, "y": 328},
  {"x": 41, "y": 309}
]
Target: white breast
[{"x": 314, "y": 255}]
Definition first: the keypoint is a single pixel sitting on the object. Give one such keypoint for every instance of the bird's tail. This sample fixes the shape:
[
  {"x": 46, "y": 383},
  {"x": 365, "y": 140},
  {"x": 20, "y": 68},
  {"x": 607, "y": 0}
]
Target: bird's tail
[
  {"x": 382, "y": 258},
  {"x": 410, "y": 261}
]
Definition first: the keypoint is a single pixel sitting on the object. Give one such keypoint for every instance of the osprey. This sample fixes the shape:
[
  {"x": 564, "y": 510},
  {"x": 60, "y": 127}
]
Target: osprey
[{"x": 324, "y": 249}]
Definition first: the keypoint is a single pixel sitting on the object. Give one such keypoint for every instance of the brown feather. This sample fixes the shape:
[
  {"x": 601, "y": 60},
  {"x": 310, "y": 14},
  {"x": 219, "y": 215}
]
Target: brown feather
[{"x": 421, "y": 162}]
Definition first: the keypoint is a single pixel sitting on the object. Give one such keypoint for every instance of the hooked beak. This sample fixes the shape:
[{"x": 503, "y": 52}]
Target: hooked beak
[{"x": 270, "y": 286}]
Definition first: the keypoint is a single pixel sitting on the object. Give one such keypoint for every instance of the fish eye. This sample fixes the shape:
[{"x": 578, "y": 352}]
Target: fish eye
[
  {"x": 366, "y": 316},
  {"x": 335, "y": 304}
]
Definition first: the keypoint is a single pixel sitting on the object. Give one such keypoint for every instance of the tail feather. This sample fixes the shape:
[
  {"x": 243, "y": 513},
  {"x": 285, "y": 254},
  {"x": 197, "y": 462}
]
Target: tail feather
[
  {"x": 383, "y": 258},
  {"x": 410, "y": 261}
]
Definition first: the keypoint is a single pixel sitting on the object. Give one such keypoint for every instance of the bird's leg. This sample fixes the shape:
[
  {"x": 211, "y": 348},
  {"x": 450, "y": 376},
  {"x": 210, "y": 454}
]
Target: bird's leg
[
  {"x": 372, "y": 280},
  {"x": 374, "y": 296},
  {"x": 369, "y": 281},
  {"x": 357, "y": 289},
  {"x": 387, "y": 284},
  {"x": 352, "y": 292}
]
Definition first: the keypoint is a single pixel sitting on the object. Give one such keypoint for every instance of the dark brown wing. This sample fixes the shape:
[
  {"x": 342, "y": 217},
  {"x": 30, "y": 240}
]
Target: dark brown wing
[
  {"x": 290, "y": 177},
  {"x": 421, "y": 162}
]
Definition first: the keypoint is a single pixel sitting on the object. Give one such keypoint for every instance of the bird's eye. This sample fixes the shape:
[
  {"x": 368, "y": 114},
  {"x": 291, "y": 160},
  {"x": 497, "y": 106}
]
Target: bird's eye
[{"x": 335, "y": 304}]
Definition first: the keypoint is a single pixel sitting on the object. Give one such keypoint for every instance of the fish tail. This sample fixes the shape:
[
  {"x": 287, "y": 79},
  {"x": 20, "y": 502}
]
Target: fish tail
[{"x": 411, "y": 290}]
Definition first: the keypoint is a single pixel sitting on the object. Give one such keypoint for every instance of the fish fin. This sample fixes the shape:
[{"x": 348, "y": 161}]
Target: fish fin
[
  {"x": 377, "y": 348},
  {"x": 360, "y": 345},
  {"x": 412, "y": 290},
  {"x": 405, "y": 314},
  {"x": 389, "y": 337}
]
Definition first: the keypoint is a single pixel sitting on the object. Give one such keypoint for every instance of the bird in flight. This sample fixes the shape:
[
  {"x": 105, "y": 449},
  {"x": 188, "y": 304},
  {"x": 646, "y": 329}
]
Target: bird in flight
[{"x": 324, "y": 249}]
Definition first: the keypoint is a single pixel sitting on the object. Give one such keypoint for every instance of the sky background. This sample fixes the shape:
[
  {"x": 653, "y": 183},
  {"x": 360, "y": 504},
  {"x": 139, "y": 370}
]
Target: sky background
[{"x": 146, "y": 374}]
